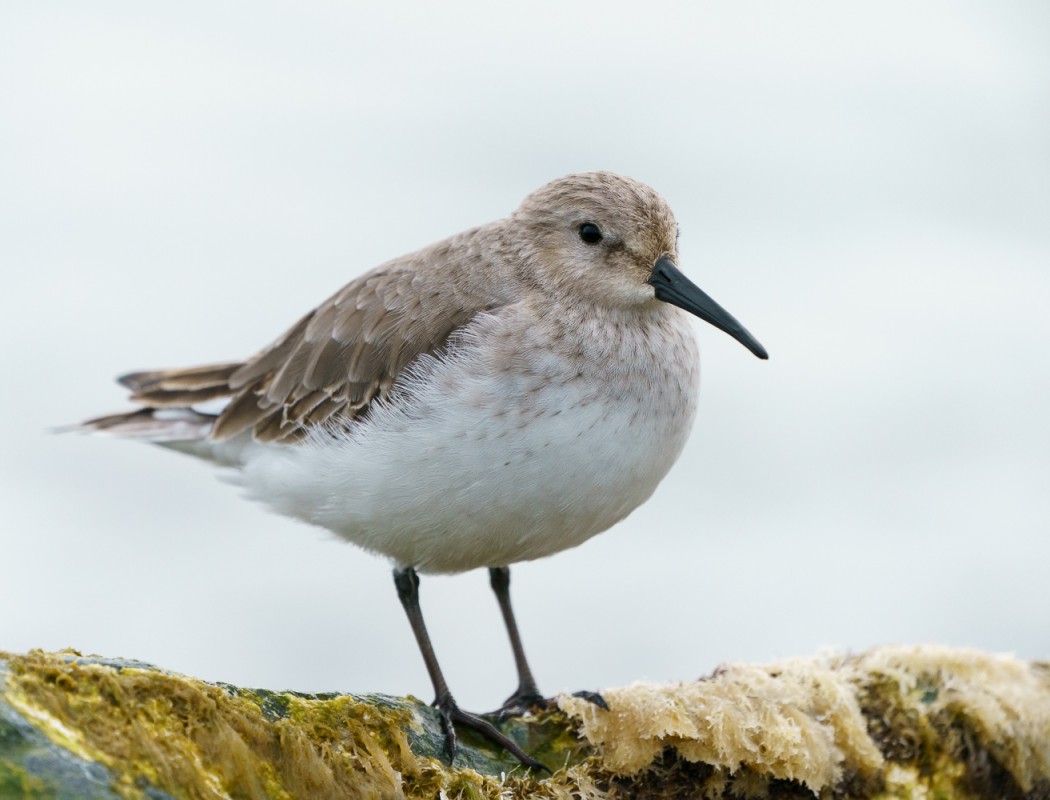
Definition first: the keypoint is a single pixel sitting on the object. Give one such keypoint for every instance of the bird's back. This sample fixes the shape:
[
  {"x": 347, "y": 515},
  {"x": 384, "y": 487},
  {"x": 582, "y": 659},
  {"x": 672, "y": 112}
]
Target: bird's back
[{"x": 333, "y": 363}]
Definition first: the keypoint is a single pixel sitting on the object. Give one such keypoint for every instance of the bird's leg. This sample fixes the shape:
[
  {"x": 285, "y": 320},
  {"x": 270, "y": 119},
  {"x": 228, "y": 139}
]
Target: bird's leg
[
  {"x": 527, "y": 695},
  {"x": 407, "y": 583}
]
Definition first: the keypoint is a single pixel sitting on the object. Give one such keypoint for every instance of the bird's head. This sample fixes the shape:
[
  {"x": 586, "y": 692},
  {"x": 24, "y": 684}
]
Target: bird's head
[{"x": 613, "y": 241}]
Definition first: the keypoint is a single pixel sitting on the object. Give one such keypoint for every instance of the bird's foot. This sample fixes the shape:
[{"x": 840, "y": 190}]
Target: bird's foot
[
  {"x": 524, "y": 700},
  {"x": 529, "y": 699},
  {"x": 451, "y": 714}
]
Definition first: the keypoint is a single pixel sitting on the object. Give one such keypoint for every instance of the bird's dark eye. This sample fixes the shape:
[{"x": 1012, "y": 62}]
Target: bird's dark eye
[{"x": 590, "y": 233}]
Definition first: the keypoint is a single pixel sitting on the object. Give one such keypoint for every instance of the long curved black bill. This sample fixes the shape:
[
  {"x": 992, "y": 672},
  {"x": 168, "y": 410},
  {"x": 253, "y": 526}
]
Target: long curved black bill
[{"x": 673, "y": 287}]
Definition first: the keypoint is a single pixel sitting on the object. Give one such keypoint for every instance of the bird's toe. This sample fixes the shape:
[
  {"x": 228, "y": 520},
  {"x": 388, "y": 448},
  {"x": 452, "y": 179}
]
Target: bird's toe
[
  {"x": 592, "y": 697},
  {"x": 452, "y": 714}
]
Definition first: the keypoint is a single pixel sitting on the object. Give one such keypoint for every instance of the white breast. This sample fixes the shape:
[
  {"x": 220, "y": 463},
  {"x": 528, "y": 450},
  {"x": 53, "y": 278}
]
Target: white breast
[{"x": 493, "y": 456}]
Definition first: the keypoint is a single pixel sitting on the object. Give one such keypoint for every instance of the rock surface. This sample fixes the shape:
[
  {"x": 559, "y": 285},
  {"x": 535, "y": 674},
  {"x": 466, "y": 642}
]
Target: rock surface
[{"x": 900, "y": 722}]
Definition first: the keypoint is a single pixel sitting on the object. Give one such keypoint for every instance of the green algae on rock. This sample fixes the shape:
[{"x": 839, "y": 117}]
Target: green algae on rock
[
  {"x": 894, "y": 722},
  {"x": 153, "y": 730}
]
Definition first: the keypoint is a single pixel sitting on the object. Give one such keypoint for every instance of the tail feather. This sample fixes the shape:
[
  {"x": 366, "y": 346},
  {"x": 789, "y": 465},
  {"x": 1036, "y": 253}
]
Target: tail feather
[
  {"x": 154, "y": 425},
  {"x": 179, "y": 398},
  {"x": 172, "y": 401},
  {"x": 174, "y": 388},
  {"x": 192, "y": 379}
]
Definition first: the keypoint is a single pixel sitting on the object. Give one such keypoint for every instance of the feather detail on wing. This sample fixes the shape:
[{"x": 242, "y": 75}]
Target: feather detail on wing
[
  {"x": 333, "y": 363},
  {"x": 330, "y": 366},
  {"x": 343, "y": 356}
]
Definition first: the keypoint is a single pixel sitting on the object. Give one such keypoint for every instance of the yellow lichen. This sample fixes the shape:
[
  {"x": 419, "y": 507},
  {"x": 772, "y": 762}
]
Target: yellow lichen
[{"x": 196, "y": 740}]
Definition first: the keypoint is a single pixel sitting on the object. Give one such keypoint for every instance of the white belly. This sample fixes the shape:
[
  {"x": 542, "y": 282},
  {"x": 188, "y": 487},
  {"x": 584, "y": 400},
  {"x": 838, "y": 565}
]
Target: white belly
[{"x": 475, "y": 469}]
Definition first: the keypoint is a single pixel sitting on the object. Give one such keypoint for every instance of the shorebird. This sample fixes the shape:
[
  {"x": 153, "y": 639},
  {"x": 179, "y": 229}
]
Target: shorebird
[{"x": 496, "y": 397}]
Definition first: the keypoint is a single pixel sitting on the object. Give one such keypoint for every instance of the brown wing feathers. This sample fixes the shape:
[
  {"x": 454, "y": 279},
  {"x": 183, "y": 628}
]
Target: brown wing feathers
[
  {"x": 333, "y": 363},
  {"x": 340, "y": 358}
]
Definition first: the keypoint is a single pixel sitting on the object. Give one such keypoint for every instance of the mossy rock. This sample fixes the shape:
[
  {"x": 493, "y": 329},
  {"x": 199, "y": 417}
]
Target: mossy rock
[{"x": 894, "y": 722}]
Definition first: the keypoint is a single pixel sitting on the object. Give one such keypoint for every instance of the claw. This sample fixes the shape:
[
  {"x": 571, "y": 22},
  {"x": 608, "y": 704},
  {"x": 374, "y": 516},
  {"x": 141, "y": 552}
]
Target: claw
[
  {"x": 451, "y": 713},
  {"x": 592, "y": 697},
  {"x": 451, "y": 742}
]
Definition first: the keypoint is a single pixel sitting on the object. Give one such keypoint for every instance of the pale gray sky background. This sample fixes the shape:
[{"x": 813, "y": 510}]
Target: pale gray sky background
[{"x": 865, "y": 185}]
